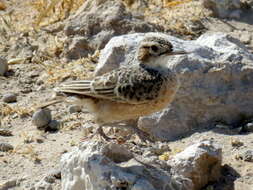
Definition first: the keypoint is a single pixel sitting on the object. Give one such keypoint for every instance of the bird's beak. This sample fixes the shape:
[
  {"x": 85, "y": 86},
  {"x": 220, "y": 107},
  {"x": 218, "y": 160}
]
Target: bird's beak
[{"x": 178, "y": 52}]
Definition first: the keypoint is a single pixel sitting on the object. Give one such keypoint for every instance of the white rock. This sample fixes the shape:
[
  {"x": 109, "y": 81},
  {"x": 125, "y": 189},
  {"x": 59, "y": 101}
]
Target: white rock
[
  {"x": 216, "y": 82},
  {"x": 200, "y": 162},
  {"x": 3, "y": 66},
  {"x": 99, "y": 166}
]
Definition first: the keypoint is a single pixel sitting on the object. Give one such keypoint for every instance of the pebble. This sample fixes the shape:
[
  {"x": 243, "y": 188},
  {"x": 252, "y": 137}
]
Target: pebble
[
  {"x": 249, "y": 127},
  {"x": 41, "y": 118},
  {"x": 39, "y": 140},
  {"x": 53, "y": 125},
  {"x": 74, "y": 109},
  {"x": 5, "y": 147},
  {"x": 55, "y": 173},
  {"x": 248, "y": 156},
  {"x": 236, "y": 143},
  {"x": 3, "y": 66},
  {"x": 9, "y": 98},
  {"x": 5, "y": 133}
]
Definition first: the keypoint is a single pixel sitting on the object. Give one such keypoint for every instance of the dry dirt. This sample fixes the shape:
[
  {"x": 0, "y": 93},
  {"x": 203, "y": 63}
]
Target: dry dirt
[{"x": 37, "y": 152}]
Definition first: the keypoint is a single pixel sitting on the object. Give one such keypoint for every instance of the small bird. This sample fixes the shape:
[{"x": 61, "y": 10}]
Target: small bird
[{"x": 129, "y": 92}]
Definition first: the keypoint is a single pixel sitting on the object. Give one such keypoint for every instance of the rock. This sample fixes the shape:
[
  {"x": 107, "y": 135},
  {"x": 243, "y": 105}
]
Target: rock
[
  {"x": 236, "y": 143},
  {"x": 74, "y": 109},
  {"x": 42, "y": 185},
  {"x": 100, "y": 165},
  {"x": 221, "y": 8},
  {"x": 55, "y": 173},
  {"x": 96, "y": 22},
  {"x": 9, "y": 98},
  {"x": 248, "y": 127},
  {"x": 3, "y": 66},
  {"x": 11, "y": 183},
  {"x": 248, "y": 156},
  {"x": 5, "y": 133},
  {"x": 113, "y": 55},
  {"x": 200, "y": 162},
  {"x": 53, "y": 125},
  {"x": 236, "y": 14},
  {"x": 5, "y": 147},
  {"x": 216, "y": 82},
  {"x": 41, "y": 118}
]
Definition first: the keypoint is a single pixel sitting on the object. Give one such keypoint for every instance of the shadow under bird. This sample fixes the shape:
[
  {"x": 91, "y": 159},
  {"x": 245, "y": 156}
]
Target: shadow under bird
[{"x": 129, "y": 92}]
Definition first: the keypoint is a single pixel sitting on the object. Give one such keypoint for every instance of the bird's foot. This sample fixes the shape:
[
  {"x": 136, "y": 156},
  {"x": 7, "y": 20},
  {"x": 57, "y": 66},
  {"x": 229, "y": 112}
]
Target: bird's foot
[{"x": 142, "y": 135}]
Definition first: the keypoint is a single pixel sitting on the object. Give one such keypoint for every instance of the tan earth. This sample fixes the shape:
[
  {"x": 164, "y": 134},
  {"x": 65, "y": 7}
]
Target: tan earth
[{"x": 32, "y": 76}]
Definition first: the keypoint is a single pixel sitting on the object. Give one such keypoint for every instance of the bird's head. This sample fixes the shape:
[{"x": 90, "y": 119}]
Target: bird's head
[{"x": 154, "y": 51}]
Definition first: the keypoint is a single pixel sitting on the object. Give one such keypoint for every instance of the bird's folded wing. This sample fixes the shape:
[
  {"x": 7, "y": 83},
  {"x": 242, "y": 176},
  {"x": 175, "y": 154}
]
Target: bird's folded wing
[
  {"x": 103, "y": 87},
  {"x": 123, "y": 86}
]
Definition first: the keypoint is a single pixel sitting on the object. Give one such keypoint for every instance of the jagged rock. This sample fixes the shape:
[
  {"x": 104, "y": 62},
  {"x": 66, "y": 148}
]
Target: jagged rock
[
  {"x": 216, "y": 82},
  {"x": 100, "y": 165},
  {"x": 200, "y": 162},
  {"x": 96, "y": 22}
]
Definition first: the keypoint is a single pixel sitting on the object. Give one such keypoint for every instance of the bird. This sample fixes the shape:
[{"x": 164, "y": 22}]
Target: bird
[{"x": 124, "y": 94}]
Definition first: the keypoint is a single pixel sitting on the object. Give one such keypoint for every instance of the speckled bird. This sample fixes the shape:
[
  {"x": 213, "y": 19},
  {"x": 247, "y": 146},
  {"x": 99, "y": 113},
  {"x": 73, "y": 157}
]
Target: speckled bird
[{"x": 129, "y": 92}]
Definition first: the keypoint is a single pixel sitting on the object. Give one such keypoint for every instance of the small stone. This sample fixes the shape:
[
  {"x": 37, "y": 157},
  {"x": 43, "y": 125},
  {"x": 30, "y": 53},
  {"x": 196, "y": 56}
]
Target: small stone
[
  {"x": 5, "y": 147},
  {"x": 165, "y": 156},
  {"x": 3, "y": 66},
  {"x": 5, "y": 133},
  {"x": 74, "y": 109},
  {"x": 249, "y": 127},
  {"x": 9, "y": 98},
  {"x": 39, "y": 140},
  {"x": 248, "y": 156},
  {"x": 49, "y": 179},
  {"x": 236, "y": 143},
  {"x": 54, "y": 125},
  {"x": 55, "y": 173},
  {"x": 41, "y": 118}
]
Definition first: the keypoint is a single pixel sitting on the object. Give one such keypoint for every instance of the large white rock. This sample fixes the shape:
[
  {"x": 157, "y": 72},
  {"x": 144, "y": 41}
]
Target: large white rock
[
  {"x": 216, "y": 82},
  {"x": 102, "y": 165}
]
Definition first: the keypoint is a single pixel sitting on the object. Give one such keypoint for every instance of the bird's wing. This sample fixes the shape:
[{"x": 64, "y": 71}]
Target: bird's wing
[{"x": 123, "y": 85}]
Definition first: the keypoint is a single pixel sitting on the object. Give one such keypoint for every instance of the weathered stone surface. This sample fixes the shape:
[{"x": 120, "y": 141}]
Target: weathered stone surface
[
  {"x": 221, "y": 8},
  {"x": 200, "y": 162},
  {"x": 96, "y": 22},
  {"x": 216, "y": 82},
  {"x": 99, "y": 165}
]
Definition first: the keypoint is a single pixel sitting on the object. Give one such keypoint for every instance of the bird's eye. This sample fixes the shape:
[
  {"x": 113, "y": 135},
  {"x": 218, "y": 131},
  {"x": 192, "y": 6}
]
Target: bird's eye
[{"x": 154, "y": 48}]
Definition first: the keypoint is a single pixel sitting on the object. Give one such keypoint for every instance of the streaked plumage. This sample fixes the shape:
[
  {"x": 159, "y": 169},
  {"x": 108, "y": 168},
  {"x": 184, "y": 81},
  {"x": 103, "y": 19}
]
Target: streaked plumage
[{"x": 126, "y": 93}]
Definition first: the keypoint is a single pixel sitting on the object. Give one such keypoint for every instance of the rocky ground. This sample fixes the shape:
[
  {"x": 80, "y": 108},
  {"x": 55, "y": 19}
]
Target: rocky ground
[{"x": 45, "y": 44}]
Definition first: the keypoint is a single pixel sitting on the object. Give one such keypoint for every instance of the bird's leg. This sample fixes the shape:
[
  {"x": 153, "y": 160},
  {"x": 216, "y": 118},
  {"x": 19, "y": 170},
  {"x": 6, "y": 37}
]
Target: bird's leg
[{"x": 132, "y": 124}]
